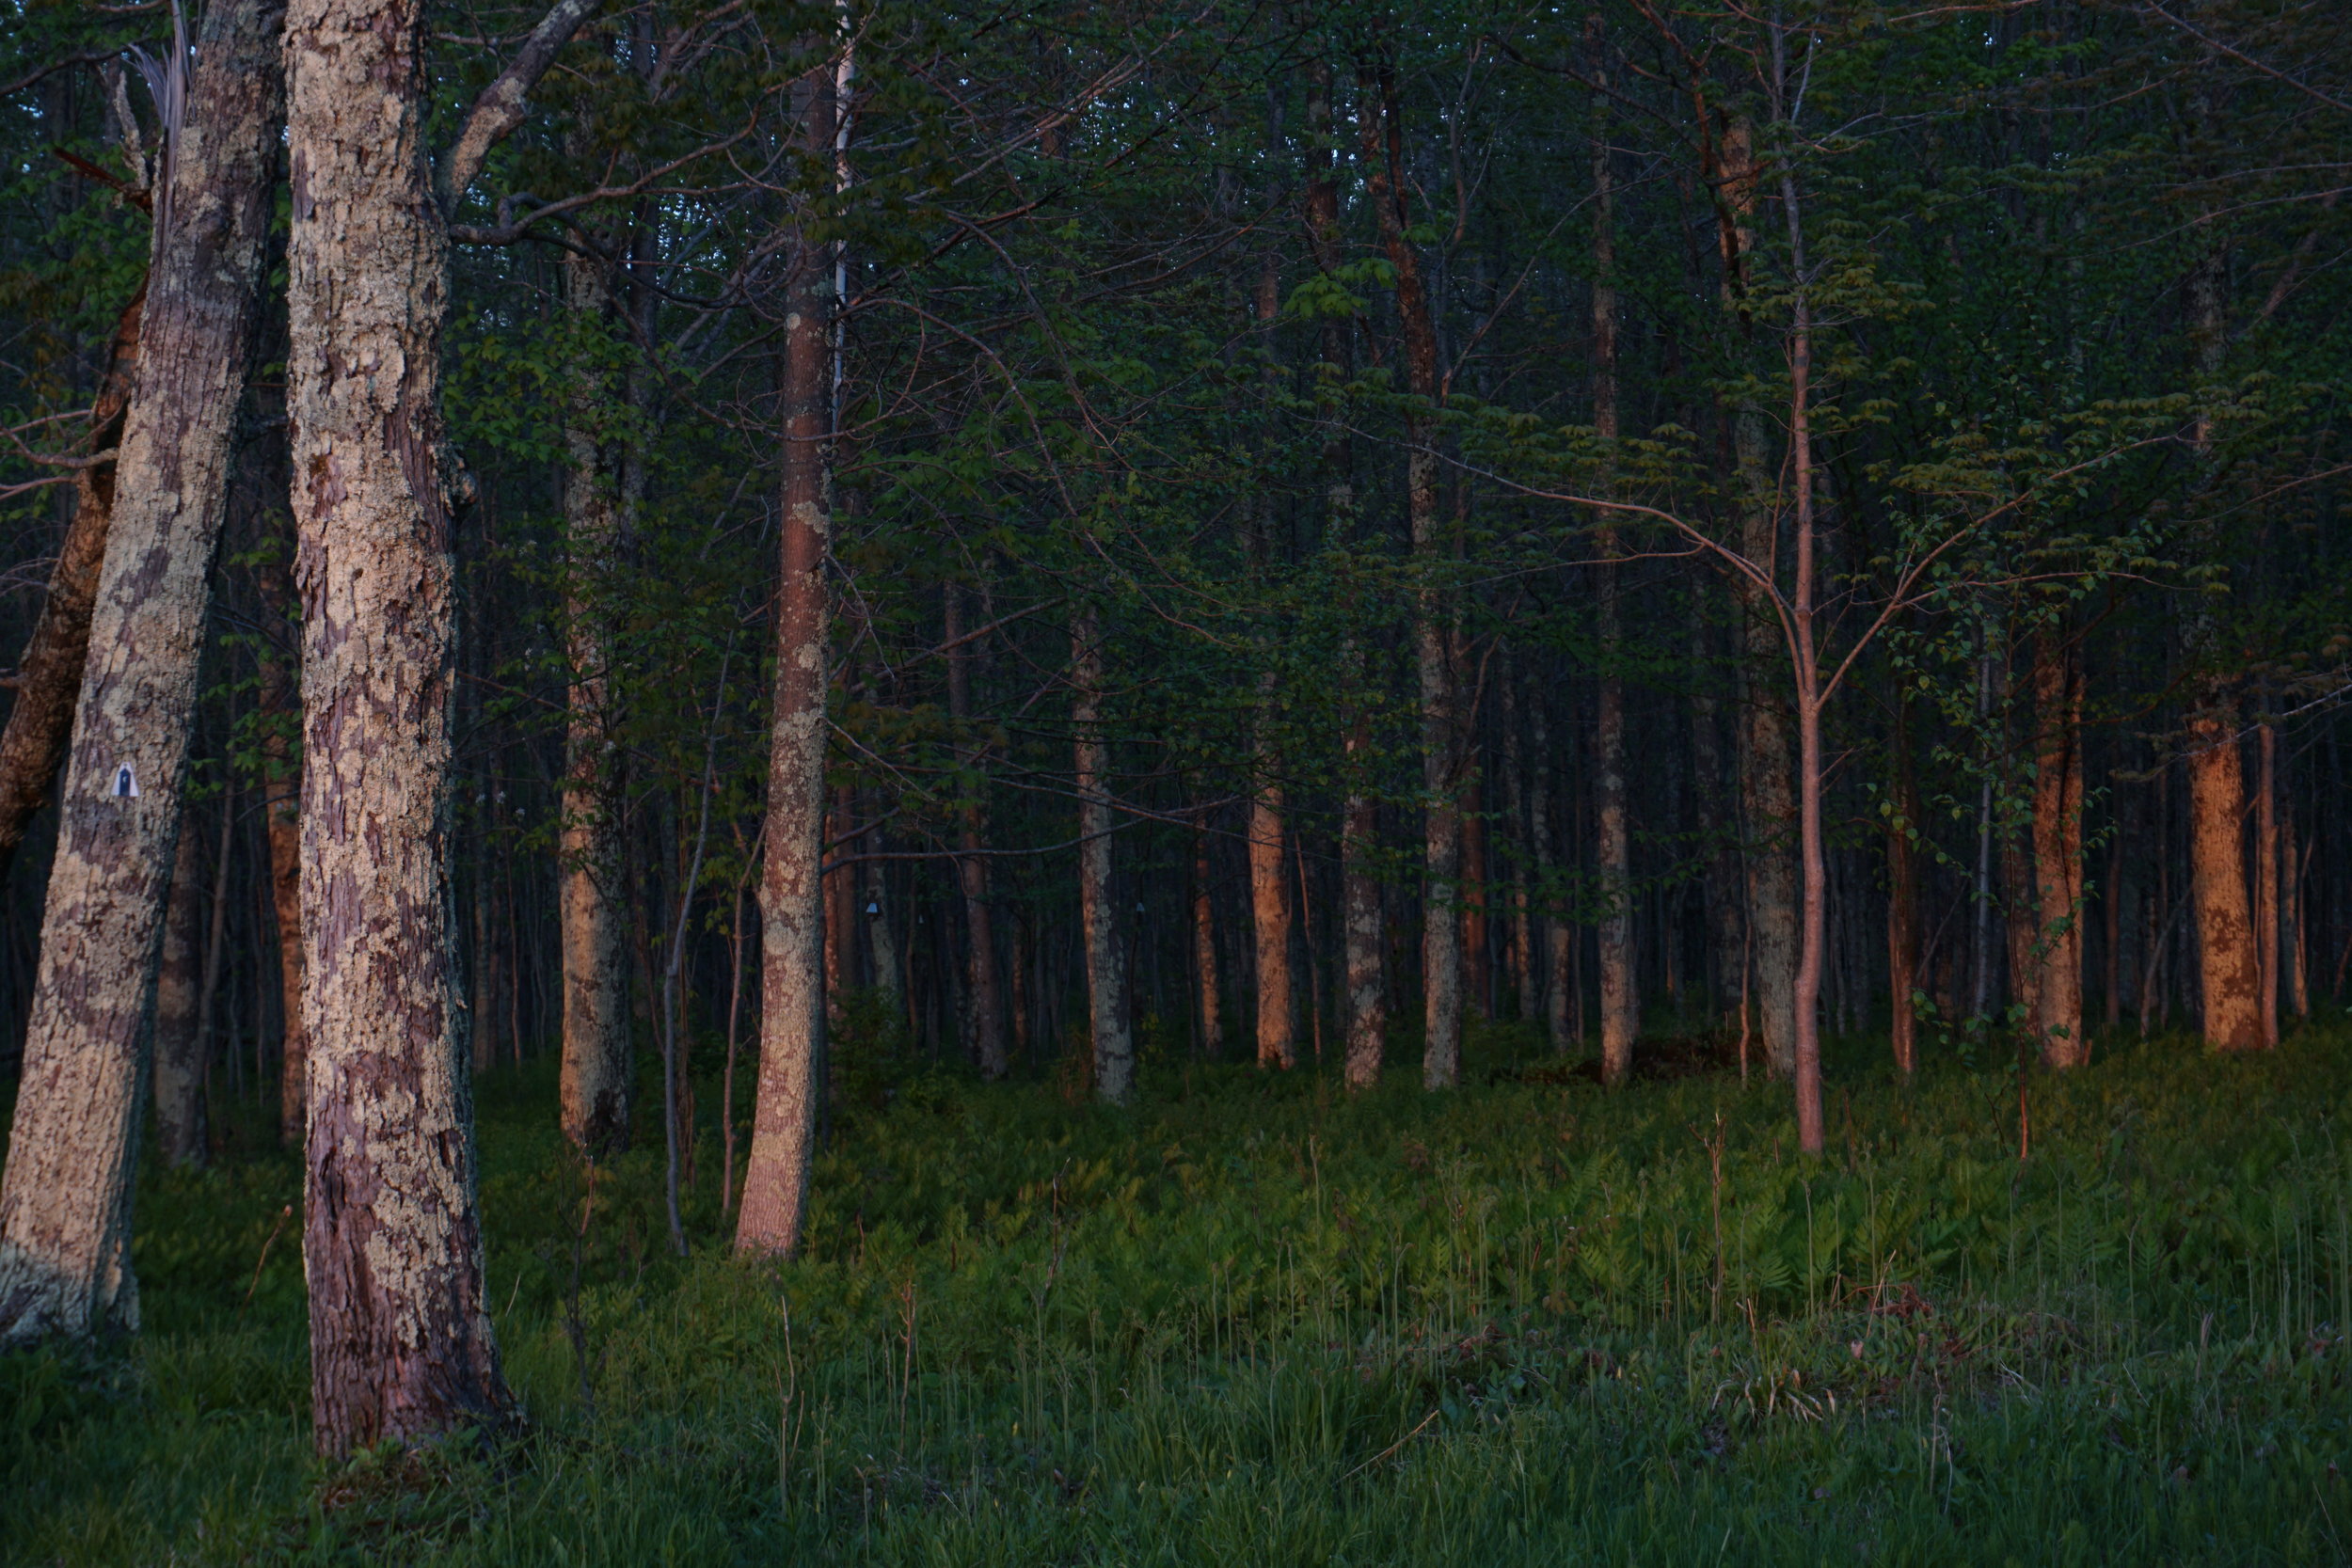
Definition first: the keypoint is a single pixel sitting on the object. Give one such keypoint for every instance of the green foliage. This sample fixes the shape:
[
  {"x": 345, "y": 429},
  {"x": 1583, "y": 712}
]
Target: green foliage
[{"x": 1261, "y": 1322}]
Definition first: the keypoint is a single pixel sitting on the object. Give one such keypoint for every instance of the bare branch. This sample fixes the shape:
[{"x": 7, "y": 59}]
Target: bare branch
[{"x": 504, "y": 101}]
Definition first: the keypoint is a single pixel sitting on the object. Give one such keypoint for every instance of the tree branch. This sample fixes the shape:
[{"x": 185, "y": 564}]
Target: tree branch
[{"x": 503, "y": 103}]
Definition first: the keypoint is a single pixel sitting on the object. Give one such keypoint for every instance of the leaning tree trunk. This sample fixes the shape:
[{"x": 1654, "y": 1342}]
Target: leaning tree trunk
[
  {"x": 49, "y": 675},
  {"x": 65, "y": 1201},
  {"x": 401, "y": 1347},
  {"x": 596, "y": 1071},
  {"x": 180, "y": 1129},
  {"x": 791, "y": 891},
  {"x": 1098, "y": 918},
  {"x": 2229, "y": 966},
  {"x": 2058, "y": 850}
]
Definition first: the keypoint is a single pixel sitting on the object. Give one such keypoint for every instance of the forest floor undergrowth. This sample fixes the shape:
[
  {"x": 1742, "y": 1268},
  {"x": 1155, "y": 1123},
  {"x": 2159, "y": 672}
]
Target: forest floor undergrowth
[{"x": 1255, "y": 1321}]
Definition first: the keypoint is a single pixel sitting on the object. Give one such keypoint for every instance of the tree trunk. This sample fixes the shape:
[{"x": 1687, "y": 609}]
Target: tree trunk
[
  {"x": 2229, "y": 964},
  {"x": 65, "y": 1199},
  {"x": 1204, "y": 974},
  {"x": 596, "y": 1068},
  {"x": 2266, "y": 876},
  {"x": 983, "y": 1018},
  {"x": 180, "y": 1129},
  {"x": 1105, "y": 958},
  {"x": 882, "y": 938},
  {"x": 48, "y": 673},
  {"x": 1620, "y": 1001},
  {"x": 792, "y": 895},
  {"x": 2057, "y": 845},
  {"x": 1515, "y": 807},
  {"x": 1559, "y": 934},
  {"x": 1270, "y": 916},
  {"x": 1382, "y": 134},
  {"x": 281, "y": 785},
  {"x": 401, "y": 1346},
  {"x": 1902, "y": 891}
]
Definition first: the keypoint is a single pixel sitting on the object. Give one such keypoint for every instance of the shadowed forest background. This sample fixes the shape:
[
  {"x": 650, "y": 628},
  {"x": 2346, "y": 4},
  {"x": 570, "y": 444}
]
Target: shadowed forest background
[{"x": 1123, "y": 782}]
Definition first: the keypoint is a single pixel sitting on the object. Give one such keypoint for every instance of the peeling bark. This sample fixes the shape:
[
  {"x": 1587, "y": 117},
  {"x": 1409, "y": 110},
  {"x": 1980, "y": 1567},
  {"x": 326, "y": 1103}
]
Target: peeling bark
[
  {"x": 2228, "y": 967},
  {"x": 401, "y": 1347},
  {"x": 65, "y": 1199}
]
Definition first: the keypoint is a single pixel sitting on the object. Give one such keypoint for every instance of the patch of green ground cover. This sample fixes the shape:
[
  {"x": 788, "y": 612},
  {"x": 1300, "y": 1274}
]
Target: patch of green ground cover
[{"x": 1256, "y": 1321}]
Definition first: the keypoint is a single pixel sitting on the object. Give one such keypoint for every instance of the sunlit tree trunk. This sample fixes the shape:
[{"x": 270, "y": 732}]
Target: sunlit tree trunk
[
  {"x": 1270, "y": 917},
  {"x": 2229, "y": 962},
  {"x": 49, "y": 675},
  {"x": 401, "y": 1345},
  {"x": 596, "y": 1070},
  {"x": 2057, "y": 845},
  {"x": 65, "y": 1198},
  {"x": 1098, "y": 910},
  {"x": 792, "y": 895}
]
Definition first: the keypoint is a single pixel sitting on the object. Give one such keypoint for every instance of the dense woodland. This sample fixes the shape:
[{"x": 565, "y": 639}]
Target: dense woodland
[{"x": 736, "y": 545}]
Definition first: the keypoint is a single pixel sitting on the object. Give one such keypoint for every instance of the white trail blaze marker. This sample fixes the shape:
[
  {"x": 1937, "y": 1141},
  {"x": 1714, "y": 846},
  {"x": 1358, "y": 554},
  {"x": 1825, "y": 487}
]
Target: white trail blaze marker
[{"x": 125, "y": 787}]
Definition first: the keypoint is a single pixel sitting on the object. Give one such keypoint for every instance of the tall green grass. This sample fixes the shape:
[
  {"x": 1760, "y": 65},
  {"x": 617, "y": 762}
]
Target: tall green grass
[{"x": 1255, "y": 1321}]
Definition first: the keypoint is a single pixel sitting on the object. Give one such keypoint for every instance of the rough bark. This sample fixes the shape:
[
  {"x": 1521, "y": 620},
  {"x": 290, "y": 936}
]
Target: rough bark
[
  {"x": 180, "y": 1122},
  {"x": 1383, "y": 140},
  {"x": 792, "y": 895},
  {"x": 2058, "y": 850},
  {"x": 2229, "y": 964},
  {"x": 49, "y": 675},
  {"x": 983, "y": 1013},
  {"x": 595, "y": 1072},
  {"x": 65, "y": 1199},
  {"x": 401, "y": 1347},
  {"x": 1106, "y": 957}
]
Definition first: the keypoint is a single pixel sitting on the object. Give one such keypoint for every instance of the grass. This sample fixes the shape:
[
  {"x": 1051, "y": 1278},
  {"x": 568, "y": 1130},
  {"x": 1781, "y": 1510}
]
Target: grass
[{"x": 1257, "y": 1321}]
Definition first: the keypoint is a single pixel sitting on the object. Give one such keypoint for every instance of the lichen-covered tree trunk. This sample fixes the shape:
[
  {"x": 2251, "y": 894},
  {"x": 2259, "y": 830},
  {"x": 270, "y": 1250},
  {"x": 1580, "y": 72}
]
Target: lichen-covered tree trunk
[
  {"x": 2058, "y": 850},
  {"x": 596, "y": 1070},
  {"x": 180, "y": 1123},
  {"x": 49, "y": 672},
  {"x": 65, "y": 1199},
  {"x": 1097, "y": 910},
  {"x": 791, "y": 891},
  {"x": 401, "y": 1347},
  {"x": 2228, "y": 967}
]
